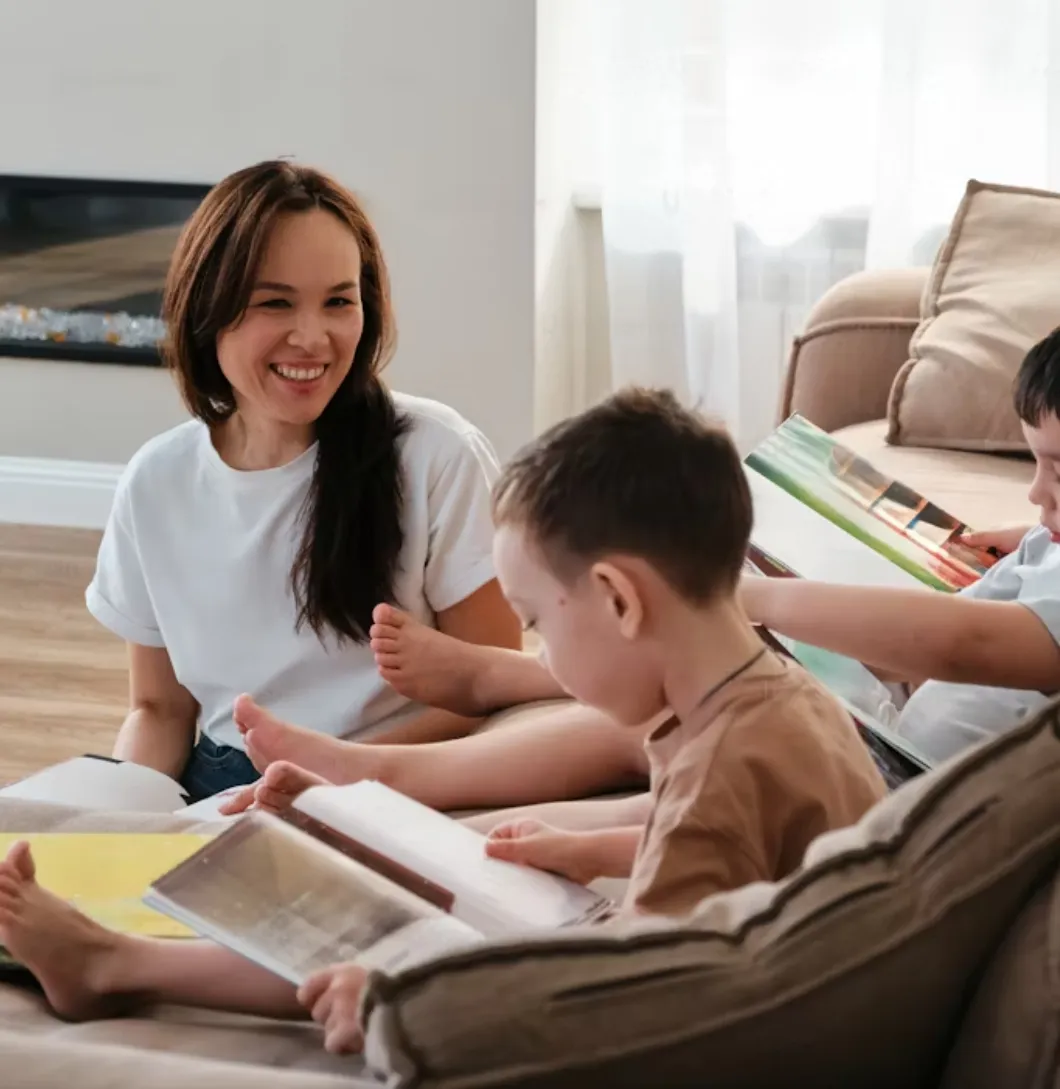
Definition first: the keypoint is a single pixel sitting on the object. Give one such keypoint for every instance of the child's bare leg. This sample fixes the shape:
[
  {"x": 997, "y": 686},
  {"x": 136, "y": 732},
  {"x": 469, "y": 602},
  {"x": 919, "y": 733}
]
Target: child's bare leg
[
  {"x": 568, "y": 752},
  {"x": 88, "y": 971},
  {"x": 433, "y": 668},
  {"x": 581, "y": 815}
]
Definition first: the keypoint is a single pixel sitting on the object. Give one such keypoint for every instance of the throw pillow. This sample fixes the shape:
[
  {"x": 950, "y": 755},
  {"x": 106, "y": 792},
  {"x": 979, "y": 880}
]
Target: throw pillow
[{"x": 994, "y": 291}]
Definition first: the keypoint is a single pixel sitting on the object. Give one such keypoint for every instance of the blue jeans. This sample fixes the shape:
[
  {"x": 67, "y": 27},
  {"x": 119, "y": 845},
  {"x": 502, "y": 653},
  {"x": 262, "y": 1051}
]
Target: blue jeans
[{"x": 212, "y": 768}]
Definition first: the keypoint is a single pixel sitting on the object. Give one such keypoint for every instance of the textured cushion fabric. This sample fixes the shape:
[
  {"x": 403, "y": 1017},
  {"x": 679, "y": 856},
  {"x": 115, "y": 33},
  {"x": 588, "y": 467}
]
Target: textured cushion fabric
[
  {"x": 993, "y": 292},
  {"x": 193, "y": 1033},
  {"x": 854, "y": 971},
  {"x": 984, "y": 490},
  {"x": 30, "y": 1063},
  {"x": 1011, "y": 1033}
]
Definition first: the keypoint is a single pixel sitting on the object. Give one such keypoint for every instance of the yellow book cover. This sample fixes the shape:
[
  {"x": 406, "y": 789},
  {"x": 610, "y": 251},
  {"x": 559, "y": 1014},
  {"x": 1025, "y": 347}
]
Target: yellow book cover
[{"x": 105, "y": 875}]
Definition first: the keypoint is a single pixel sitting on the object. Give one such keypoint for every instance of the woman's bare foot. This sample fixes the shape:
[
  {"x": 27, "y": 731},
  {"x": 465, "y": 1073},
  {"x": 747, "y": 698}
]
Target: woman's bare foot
[
  {"x": 268, "y": 740},
  {"x": 427, "y": 665},
  {"x": 71, "y": 956}
]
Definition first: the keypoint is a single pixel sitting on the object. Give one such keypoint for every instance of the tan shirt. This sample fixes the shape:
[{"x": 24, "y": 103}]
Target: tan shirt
[{"x": 767, "y": 764}]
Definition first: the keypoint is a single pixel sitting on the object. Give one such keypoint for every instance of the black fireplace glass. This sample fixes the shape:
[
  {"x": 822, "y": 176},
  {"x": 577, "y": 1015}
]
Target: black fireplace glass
[{"x": 83, "y": 263}]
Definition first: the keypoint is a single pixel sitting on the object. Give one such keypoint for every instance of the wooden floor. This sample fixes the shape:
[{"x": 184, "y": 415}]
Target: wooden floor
[{"x": 63, "y": 680}]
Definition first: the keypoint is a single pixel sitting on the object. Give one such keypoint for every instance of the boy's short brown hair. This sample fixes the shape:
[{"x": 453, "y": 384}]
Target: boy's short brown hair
[{"x": 638, "y": 474}]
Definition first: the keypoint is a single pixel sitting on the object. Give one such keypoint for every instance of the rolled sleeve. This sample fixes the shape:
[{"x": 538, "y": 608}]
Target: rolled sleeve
[
  {"x": 460, "y": 548},
  {"x": 118, "y": 596}
]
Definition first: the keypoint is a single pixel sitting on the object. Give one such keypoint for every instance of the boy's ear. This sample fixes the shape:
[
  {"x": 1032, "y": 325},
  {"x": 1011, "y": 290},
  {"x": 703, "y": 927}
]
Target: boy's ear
[{"x": 621, "y": 596}]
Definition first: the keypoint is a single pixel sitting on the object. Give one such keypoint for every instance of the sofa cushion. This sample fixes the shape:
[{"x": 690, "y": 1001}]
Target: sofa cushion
[
  {"x": 993, "y": 292},
  {"x": 1011, "y": 1034},
  {"x": 854, "y": 971},
  {"x": 984, "y": 490},
  {"x": 30, "y": 1063}
]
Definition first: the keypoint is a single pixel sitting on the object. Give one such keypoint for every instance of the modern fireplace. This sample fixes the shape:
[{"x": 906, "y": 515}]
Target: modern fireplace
[{"x": 82, "y": 265}]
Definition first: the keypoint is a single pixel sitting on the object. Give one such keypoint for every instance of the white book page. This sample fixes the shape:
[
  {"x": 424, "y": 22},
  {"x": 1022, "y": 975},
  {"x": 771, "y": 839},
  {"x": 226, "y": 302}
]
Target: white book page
[
  {"x": 494, "y": 897},
  {"x": 90, "y": 783},
  {"x": 815, "y": 548}
]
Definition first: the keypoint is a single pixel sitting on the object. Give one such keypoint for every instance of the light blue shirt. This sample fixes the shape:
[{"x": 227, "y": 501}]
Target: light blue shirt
[{"x": 942, "y": 719}]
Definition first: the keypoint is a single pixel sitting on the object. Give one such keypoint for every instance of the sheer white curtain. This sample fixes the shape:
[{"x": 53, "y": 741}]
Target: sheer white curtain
[{"x": 753, "y": 152}]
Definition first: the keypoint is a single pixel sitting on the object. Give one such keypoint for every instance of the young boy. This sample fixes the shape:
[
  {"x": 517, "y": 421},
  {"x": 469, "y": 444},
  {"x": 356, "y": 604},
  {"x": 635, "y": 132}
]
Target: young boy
[
  {"x": 620, "y": 540},
  {"x": 982, "y": 659}
]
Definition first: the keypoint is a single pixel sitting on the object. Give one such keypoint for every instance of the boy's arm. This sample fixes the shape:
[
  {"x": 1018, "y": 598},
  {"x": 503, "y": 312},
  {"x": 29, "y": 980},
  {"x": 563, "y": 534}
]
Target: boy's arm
[{"x": 913, "y": 634}]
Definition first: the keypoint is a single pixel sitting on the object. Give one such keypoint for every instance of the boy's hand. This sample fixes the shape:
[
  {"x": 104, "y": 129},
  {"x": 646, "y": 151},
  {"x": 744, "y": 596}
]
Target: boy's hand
[
  {"x": 534, "y": 843},
  {"x": 274, "y": 791},
  {"x": 333, "y": 998},
  {"x": 1005, "y": 539}
]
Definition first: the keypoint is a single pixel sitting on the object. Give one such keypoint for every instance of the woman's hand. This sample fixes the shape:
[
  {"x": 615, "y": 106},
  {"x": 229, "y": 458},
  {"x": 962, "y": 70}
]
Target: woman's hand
[
  {"x": 333, "y": 999},
  {"x": 1003, "y": 539},
  {"x": 534, "y": 843},
  {"x": 275, "y": 791}
]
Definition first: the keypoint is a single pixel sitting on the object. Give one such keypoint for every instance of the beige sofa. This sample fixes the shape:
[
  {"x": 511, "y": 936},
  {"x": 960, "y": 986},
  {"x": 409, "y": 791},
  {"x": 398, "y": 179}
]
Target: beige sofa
[{"x": 840, "y": 376}]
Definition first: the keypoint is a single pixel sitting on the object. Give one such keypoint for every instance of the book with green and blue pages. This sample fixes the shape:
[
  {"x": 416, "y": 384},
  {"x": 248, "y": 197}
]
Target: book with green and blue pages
[{"x": 825, "y": 513}]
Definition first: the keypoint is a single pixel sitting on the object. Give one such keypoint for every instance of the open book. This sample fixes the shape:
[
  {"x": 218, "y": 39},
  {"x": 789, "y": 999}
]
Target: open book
[
  {"x": 360, "y": 873},
  {"x": 101, "y": 782},
  {"x": 823, "y": 512}
]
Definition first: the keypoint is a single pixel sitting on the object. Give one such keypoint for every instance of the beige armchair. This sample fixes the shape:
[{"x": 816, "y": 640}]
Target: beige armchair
[{"x": 840, "y": 375}]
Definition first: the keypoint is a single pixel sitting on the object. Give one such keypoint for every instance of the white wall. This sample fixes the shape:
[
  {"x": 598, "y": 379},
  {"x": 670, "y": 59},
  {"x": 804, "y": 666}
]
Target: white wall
[{"x": 425, "y": 107}]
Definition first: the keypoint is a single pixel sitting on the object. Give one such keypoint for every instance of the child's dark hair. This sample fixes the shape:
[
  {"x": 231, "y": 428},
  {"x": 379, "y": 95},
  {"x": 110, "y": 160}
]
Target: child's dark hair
[
  {"x": 637, "y": 474},
  {"x": 1037, "y": 390}
]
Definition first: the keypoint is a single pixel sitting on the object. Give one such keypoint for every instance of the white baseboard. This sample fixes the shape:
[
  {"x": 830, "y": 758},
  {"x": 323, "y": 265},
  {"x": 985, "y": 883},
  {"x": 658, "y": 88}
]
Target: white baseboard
[{"x": 49, "y": 492}]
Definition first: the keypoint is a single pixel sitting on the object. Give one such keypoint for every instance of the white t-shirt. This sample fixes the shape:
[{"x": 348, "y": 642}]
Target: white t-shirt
[{"x": 197, "y": 556}]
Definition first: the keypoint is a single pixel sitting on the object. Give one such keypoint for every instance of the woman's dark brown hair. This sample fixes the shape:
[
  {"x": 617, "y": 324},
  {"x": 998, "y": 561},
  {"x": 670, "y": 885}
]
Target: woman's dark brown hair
[{"x": 347, "y": 561}]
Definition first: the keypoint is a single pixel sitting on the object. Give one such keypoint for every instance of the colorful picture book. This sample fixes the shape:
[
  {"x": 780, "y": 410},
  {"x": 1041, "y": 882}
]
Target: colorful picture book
[{"x": 884, "y": 514}]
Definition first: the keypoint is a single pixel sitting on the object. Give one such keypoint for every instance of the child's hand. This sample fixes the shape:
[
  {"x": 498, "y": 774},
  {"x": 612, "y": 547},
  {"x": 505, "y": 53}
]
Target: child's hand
[
  {"x": 333, "y": 998},
  {"x": 534, "y": 843},
  {"x": 274, "y": 791},
  {"x": 1005, "y": 539}
]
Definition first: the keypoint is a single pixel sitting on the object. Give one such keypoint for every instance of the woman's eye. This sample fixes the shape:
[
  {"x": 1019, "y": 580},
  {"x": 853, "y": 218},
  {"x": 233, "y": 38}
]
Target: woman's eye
[
  {"x": 275, "y": 304},
  {"x": 340, "y": 302}
]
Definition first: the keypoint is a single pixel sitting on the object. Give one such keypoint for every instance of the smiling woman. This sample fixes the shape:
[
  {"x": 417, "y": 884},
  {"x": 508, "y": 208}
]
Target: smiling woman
[{"x": 247, "y": 549}]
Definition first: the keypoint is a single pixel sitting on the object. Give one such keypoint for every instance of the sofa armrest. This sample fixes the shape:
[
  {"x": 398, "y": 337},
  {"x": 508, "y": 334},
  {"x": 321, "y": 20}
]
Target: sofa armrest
[{"x": 855, "y": 341}]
